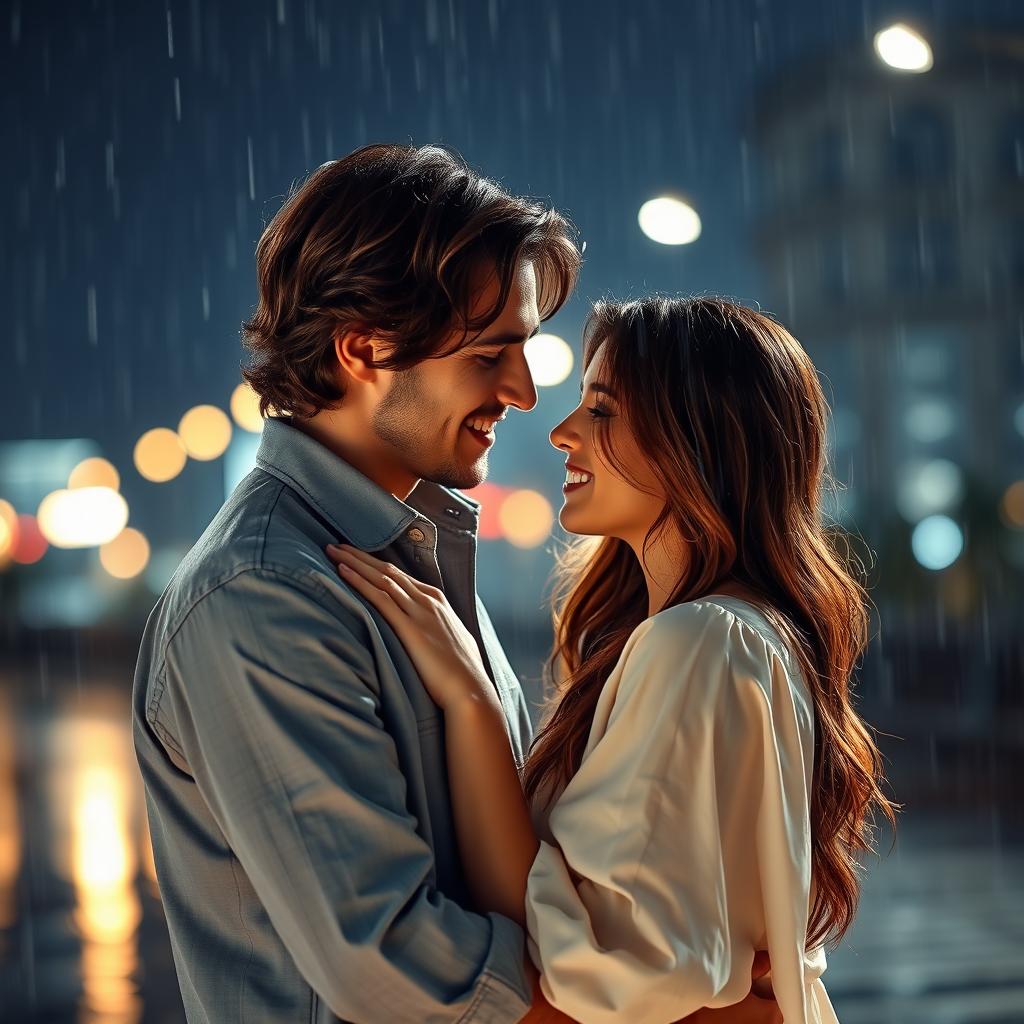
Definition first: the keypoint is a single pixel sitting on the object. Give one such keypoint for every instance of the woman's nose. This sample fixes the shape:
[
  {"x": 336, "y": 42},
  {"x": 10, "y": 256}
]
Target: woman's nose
[{"x": 561, "y": 437}]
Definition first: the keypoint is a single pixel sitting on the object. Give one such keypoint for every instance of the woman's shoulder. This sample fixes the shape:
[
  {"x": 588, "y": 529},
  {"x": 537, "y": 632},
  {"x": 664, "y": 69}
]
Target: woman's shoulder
[
  {"x": 716, "y": 637},
  {"x": 729, "y": 623}
]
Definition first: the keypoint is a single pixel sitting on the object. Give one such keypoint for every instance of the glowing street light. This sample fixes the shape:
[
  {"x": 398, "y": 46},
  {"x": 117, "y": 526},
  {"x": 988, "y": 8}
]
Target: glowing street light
[
  {"x": 669, "y": 221},
  {"x": 94, "y": 472},
  {"x": 126, "y": 555},
  {"x": 549, "y": 358},
  {"x": 490, "y": 496},
  {"x": 159, "y": 455},
  {"x": 205, "y": 431},
  {"x": 902, "y": 48},
  {"x": 8, "y": 529},
  {"x": 245, "y": 408},
  {"x": 29, "y": 543},
  {"x": 1012, "y": 505},
  {"x": 526, "y": 518},
  {"x": 82, "y": 517},
  {"x": 937, "y": 542}
]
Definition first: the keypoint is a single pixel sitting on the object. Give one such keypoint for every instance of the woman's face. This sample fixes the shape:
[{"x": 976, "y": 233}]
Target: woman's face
[{"x": 604, "y": 503}]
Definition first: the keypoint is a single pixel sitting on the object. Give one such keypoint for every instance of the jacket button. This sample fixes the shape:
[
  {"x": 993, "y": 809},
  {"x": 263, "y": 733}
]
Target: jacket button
[{"x": 416, "y": 535}]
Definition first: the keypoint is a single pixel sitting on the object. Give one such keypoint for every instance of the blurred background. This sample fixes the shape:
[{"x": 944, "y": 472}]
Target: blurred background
[{"x": 855, "y": 167}]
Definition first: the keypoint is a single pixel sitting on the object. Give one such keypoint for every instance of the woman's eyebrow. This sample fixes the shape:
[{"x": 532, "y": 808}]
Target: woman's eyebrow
[{"x": 601, "y": 389}]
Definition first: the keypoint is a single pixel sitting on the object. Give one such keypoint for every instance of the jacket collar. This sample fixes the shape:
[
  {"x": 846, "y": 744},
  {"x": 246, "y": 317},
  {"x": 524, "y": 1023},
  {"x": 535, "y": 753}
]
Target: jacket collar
[{"x": 363, "y": 512}]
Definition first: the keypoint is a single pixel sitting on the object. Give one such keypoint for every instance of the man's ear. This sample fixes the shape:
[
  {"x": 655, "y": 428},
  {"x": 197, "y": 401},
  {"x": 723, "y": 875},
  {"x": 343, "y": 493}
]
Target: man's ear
[{"x": 357, "y": 352}]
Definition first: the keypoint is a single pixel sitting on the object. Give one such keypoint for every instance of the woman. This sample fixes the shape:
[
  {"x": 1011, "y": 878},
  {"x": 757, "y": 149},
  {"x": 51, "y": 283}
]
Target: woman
[{"x": 702, "y": 785}]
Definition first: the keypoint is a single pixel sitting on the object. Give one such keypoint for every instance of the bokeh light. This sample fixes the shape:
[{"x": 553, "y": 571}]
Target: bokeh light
[
  {"x": 94, "y": 472},
  {"x": 29, "y": 543},
  {"x": 245, "y": 408},
  {"x": 8, "y": 527},
  {"x": 930, "y": 420},
  {"x": 1012, "y": 506},
  {"x": 159, "y": 455},
  {"x": 669, "y": 221},
  {"x": 902, "y": 48},
  {"x": 928, "y": 487},
  {"x": 490, "y": 497},
  {"x": 126, "y": 555},
  {"x": 550, "y": 359},
  {"x": 937, "y": 542},
  {"x": 526, "y": 518},
  {"x": 205, "y": 431},
  {"x": 83, "y": 517}
]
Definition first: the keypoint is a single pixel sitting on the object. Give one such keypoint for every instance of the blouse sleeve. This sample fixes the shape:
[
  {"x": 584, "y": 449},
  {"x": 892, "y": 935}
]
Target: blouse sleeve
[{"x": 682, "y": 844}]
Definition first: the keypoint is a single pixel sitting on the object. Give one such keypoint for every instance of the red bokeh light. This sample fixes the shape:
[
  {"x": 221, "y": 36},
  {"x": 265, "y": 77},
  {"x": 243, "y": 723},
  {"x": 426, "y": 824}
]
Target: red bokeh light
[
  {"x": 490, "y": 497},
  {"x": 29, "y": 543}
]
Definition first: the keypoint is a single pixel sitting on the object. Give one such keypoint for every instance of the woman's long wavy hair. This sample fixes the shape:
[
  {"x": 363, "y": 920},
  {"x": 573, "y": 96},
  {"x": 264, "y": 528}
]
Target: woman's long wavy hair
[{"x": 728, "y": 409}]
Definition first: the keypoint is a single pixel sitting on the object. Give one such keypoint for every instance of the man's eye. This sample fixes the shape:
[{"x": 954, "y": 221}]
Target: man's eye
[{"x": 489, "y": 360}]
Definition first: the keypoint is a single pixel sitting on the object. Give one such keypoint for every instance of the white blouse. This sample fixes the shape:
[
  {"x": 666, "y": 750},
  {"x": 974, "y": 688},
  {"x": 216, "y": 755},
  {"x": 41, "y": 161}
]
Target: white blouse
[{"x": 682, "y": 844}]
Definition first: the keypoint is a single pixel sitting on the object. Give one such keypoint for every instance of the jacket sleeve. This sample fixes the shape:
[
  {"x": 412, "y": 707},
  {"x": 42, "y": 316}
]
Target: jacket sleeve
[
  {"x": 272, "y": 690},
  {"x": 682, "y": 843}
]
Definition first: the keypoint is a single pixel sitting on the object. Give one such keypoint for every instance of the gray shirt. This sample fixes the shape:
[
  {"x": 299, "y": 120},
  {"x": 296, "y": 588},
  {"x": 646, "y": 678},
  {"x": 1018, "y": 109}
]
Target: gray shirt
[{"x": 294, "y": 764}]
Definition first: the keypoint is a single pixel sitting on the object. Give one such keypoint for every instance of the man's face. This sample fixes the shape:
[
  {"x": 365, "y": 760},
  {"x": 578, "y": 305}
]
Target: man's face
[{"x": 437, "y": 417}]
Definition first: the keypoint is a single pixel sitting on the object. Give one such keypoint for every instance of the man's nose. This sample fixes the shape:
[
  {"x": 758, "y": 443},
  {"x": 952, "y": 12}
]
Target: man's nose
[{"x": 517, "y": 388}]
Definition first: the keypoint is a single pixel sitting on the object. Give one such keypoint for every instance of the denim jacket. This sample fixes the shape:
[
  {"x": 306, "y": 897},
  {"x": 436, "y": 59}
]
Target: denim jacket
[{"x": 294, "y": 764}]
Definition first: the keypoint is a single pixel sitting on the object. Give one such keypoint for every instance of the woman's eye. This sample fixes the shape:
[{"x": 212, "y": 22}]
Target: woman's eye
[
  {"x": 489, "y": 360},
  {"x": 597, "y": 413}
]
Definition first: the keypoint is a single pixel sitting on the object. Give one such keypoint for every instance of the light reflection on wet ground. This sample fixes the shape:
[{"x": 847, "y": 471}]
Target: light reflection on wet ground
[
  {"x": 81, "y": 923},
  {"x": 939, "y": 936}
]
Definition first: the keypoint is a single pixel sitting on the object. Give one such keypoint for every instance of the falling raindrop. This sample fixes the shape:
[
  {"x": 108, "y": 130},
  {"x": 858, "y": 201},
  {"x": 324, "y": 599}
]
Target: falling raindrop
[{"x": 91, "y": 320}]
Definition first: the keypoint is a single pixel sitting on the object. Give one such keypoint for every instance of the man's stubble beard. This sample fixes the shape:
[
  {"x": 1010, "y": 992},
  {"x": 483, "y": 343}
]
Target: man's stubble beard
[{"x": 404, "y": 420}]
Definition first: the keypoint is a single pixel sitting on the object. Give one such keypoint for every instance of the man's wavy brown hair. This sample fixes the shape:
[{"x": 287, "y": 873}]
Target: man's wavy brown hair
[
  {"x": 391, "y": 240},
  {"x": 728, "y": 409}
]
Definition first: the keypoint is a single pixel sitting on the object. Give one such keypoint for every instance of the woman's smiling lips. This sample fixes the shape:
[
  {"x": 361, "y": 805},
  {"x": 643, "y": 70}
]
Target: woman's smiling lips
[{"x": 575, "y": 478}]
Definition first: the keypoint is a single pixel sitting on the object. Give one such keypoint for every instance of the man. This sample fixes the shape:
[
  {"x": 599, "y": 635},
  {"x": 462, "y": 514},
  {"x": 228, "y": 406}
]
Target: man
[{"x": 294, "y": 764}]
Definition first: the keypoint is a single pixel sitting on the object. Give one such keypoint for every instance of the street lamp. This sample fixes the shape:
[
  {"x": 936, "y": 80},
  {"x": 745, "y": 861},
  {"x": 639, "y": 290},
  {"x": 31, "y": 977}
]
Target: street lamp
[
  {"x": 904, "y": 49},
  {"x": 669, "y": 221}
]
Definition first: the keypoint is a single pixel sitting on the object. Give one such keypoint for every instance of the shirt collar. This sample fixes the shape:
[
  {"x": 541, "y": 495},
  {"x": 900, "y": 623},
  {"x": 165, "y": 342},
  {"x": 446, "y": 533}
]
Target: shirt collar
[{"x": 361, "y": 511}]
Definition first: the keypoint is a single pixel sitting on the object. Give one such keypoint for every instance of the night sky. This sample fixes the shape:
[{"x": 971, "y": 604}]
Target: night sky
[{"x": 145, "y": 145}]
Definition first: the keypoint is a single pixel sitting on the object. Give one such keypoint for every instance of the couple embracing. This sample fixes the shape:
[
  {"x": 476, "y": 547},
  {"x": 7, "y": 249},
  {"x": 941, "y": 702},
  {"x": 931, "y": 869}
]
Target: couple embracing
[{"x": 351, "y": 818}]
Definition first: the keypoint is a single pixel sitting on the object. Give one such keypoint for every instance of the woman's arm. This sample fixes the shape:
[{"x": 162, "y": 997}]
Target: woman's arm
[
  {"x": 492, "y": 821},
  {"x": 496, "y": 836}
]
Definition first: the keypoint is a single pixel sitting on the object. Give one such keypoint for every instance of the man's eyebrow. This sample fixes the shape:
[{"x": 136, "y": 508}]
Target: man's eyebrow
[
  {"x": 506, "y": 339},
  {"x": 601, "y": 389}
]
